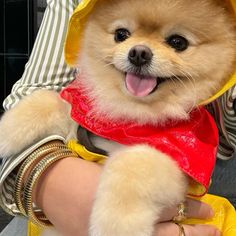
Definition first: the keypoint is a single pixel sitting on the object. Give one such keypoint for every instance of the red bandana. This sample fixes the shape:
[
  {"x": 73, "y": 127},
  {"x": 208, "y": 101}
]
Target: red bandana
[{"x": 192, "y": 143}]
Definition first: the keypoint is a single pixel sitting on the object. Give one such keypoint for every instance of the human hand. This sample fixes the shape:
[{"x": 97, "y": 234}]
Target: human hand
[
  {"x": 170, "y": 228},
  {"x": 195, "y": 209}
]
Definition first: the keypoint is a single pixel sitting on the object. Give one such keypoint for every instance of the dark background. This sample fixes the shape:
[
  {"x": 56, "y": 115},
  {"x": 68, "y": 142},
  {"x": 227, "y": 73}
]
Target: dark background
[{"x": 19, "y": 23}]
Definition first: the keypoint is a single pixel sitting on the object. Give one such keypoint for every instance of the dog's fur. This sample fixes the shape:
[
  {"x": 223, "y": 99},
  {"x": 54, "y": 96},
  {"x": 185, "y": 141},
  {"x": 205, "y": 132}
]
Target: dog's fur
[{"x": 138, "y": 182}]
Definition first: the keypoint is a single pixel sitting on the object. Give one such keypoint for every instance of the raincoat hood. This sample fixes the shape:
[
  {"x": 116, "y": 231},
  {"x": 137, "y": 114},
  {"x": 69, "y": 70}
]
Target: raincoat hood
[{"x": 75, "y": 28}]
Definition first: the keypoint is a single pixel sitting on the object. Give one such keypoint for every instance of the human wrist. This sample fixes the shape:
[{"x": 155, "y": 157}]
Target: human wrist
[{"x": 66, "y": 191}]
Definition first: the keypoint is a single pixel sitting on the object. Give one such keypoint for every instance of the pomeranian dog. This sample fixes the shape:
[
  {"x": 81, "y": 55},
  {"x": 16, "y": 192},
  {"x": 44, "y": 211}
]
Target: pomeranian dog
[{"x": 142, "y": 61}]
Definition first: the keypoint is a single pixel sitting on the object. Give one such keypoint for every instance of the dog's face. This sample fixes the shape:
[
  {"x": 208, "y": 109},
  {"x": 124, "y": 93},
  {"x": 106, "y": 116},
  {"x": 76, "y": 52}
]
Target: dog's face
[{"x": 150, "y": 61}]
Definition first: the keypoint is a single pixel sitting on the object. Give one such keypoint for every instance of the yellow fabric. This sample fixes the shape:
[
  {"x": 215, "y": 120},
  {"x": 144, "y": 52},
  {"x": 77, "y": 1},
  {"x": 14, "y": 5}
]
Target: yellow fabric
[
  {"x": 225, "y": 215},
  {"x": 233, "y": 3},
  {"x": 75, "y": 30},
  {"x": 195, "y": 188},
  {"x": 33, "y": 230},
  {"x": 231, "y": 82},
  {"x": 85, "y": 154},
  {"x": 76, "y": 27}
]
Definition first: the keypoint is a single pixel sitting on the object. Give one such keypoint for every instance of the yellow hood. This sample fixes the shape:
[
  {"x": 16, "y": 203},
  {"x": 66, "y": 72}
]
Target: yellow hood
[{"x": 76, "y": 26}]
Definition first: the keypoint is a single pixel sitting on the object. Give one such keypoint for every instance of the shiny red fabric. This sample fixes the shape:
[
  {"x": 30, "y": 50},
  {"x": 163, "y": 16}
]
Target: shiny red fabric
[{"x": 192, "y": 143}]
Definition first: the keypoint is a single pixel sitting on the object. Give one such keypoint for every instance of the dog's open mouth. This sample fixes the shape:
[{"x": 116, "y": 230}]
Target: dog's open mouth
[{"x": 141, "y": 85}]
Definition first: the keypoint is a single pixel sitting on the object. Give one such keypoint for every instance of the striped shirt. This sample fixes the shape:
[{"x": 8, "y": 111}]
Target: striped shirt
[
  {"x": 46, "y": 68},
  {"x": 224, "y": 112}
]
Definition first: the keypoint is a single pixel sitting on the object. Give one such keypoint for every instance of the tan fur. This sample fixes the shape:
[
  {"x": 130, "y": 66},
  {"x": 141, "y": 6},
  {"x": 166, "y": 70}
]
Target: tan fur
[
  {"x": 133, "y": 192},
  {"x": 205, "y": 65},
  {"x": 137, "y": 182},
  {"x": 41, "y": 114}
]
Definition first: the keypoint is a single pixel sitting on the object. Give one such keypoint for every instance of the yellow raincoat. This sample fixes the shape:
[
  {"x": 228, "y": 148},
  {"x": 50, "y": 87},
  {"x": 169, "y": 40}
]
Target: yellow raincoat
[{"x": 225, "y": 214}]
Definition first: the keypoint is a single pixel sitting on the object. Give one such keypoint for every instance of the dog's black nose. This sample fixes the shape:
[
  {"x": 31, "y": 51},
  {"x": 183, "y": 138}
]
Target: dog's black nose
[{"x": 140, "y": 55}]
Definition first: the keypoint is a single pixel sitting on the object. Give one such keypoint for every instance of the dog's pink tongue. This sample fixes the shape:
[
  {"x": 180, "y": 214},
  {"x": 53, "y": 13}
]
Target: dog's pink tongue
[{"x": 140, "y": 86}]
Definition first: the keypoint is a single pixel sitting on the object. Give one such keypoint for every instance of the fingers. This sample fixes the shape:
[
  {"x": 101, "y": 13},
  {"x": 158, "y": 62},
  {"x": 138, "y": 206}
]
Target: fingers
[
  {"x": 203, "y": 230},
  {"x": 199, "y": 210},
  {"x": 195, "y": 209},
  {"x": 163, "y": 229}
]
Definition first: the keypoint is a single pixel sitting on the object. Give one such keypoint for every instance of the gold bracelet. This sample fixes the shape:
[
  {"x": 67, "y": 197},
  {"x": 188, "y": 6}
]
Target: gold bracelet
[
  {"x": 33, "y": 178},
  {"x": 28, "y": 164}
]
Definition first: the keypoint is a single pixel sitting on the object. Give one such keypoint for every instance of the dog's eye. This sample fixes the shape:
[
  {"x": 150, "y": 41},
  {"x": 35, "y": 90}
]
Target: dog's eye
[
  {"x": 121, "y": 35},
  {"x": 178, "y": 42}
]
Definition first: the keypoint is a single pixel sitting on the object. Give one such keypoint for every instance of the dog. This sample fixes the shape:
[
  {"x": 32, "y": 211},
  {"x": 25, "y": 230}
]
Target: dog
[{"x": 144, "y": 62}]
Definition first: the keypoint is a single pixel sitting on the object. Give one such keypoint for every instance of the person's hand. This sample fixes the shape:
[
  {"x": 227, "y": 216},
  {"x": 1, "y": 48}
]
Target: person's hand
[
  {"x": 66, "y": 191},
  {"x": 195, "y": 209},
  {"x": 171, "y": 229}
]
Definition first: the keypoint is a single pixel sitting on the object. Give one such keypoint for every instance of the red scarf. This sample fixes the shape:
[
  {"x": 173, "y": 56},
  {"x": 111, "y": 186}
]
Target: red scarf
[{"x": 192, "y": 143}]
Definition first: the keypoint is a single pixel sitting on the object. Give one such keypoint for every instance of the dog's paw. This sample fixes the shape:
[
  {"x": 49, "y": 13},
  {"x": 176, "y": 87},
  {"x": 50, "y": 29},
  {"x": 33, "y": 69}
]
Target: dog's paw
[
  {"x": 36, "y": 116},
  {"x": 136, "y": 185}
]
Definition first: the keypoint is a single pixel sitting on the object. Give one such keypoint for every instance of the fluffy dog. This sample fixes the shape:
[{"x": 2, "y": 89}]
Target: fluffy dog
[{"x": 147, "y": 62}]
